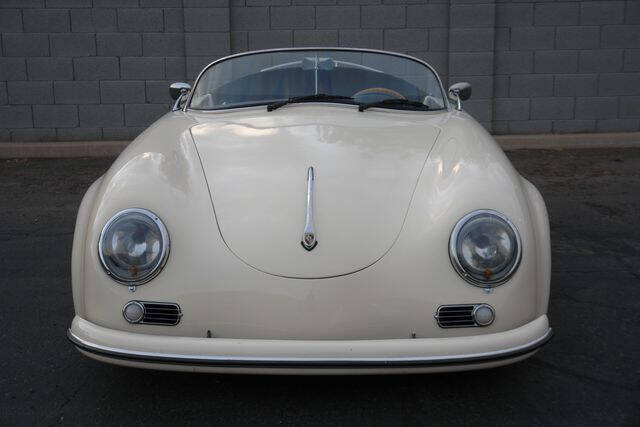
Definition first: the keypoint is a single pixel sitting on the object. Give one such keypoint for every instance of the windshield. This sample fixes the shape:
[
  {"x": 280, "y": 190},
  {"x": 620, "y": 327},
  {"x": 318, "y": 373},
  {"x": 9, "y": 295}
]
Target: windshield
[{"x": 358, "y": 77}]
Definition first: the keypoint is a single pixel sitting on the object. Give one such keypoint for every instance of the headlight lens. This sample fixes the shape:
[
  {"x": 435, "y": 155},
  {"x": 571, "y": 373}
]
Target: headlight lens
[
  {"x": 134, "y": 246},
  {"x": 485, "y": 248}
]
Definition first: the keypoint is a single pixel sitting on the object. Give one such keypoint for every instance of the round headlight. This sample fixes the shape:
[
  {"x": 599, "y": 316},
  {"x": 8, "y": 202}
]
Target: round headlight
[
  {"x": 133, "y": 246},
  {"x": 485, "y": 248}
]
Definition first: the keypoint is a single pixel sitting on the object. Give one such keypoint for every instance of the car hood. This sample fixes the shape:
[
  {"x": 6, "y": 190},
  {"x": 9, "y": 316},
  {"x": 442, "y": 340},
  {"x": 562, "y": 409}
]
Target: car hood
[{"x": 366, "y": 169}]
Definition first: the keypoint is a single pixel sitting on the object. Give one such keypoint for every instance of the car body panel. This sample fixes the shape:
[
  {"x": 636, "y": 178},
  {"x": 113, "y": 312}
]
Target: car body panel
[{"x": 366, "y": 169}]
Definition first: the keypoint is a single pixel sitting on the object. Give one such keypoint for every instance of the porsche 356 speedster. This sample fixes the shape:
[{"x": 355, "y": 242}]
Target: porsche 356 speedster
[{"x": 317, "y": 210}]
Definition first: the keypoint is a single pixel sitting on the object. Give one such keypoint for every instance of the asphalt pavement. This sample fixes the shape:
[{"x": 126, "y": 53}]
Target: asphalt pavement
[{"x": 589, "y": 374}]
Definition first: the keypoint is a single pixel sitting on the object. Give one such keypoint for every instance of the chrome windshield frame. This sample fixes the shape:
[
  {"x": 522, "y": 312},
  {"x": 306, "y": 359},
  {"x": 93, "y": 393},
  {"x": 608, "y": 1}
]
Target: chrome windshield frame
[{"x": 302, "y": 49}]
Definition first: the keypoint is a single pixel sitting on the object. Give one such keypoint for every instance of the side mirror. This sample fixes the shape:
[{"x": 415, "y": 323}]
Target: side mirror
[
  {"x": 460, "y": 92},
  {"x": 177, "y": 91}
]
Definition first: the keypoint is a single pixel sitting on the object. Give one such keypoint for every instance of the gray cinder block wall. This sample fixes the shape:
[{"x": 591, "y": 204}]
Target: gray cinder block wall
[{"x": 99, "y": 69}]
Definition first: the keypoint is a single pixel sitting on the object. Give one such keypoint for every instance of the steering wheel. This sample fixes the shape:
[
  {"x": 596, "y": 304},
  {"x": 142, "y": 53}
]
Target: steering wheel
[{"x": 383, "y": 90}]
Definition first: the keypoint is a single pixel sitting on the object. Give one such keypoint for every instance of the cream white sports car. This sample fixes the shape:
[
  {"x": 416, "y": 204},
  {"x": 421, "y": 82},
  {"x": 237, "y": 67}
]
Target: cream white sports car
[{"x": 312, "y": 211}]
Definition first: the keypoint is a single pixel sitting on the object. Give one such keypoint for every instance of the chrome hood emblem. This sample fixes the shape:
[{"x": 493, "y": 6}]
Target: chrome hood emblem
[{"x": 309, "y": 235}]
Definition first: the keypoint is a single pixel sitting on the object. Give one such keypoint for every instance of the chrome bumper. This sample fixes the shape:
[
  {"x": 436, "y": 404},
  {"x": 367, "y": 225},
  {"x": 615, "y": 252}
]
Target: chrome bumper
[{"x": 137, "y": 357}]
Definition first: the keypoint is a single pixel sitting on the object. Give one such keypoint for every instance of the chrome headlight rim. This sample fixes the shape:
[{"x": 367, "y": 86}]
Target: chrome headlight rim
[
  {"x": 164, "y": 252},
  {"x": 457, "y": 264}
]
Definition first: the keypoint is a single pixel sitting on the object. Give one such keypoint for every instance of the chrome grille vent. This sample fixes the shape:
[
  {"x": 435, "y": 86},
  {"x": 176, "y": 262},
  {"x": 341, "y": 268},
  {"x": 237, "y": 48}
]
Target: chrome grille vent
[
  {"x": 160, "y": 313},
  {"x": 462, "y": 315}
]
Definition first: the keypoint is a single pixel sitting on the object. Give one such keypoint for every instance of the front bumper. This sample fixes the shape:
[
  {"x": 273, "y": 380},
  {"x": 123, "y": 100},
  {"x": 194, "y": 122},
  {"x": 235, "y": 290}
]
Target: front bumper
[{"x": 309, "y": 357}]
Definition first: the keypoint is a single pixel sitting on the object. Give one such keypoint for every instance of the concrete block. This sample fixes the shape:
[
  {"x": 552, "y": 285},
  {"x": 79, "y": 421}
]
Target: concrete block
[
  {"x": 502, "y": 37},
  {"x": 439, "y": 40},
  {"x": 195, "y": 64},
  {"x": 79, "y": 134},
  {"x": 311, "y": 2},
  {"x": 557, "y": 14},
  {"x": 15, "y": 44},
  {"x": 46, "y": 20},
  {"x": 253, "y": 3},
  {"x": 511, "y": 108},
  {"x": 632, "y": 12},
  {"x": 369, "y": 39},
  {"x": 206, "y": 3},
  {"x": 77, "y": 92},
  {"x": 472, "y": 15},
  {"x": 206, "y": 19},
  {"x": 143, "y": 114},
  {"x": 601, "y": 12},
  {"x": 632, "y": 60},
  {"x": 121, "y": 133},
  {"x": 30, "y": 92},
  {"x": 621, "y": 36},
  {"x": 630, "y": 107},
  {"x": 53, "y": 116},
  {"x": 163, "y": 44},
  {"x": 207, "y": 44},
  {"x": 513, "y": 62},
  {"x": 270, "y": 39},
  {"x": 501, "y": 86},
  {"x": 480, "y": 109},
  {"x": 618, "y": 125},
  {"x": 471, "y": 39},
  {"x": 315, "y": 38},
  {"x": 531, "y": 85},
  {"x": 69, "y": 3},
  {"x": 141, "y": 68},
  {"x": 383, "y": 16},
  {"x": 157, "y": 92},
  {"x": 428, "y": 16},
  {"x": 499, "y": 127},
  {"x": 4, "y": 97},
  {"x": 13, "y": 4},
  {"x": 93, "y": 116},
  {"x": 13, "y": 69},
  {"x": 93, "y": 20},
  {"x": 33, "y": 135},
  {"x": 619, "y": 84},
  {"x": 475, "y": 63},
  {"x": 576, "y": 85},
  {"x": 160, "y": 3},
  {"x": 601, "y": 61},
  {"x": 577, "y": 37},
  {"x": 360, "y": 2},
  {"x": 239, "y": 41},
  {"x": 406, "y": 40},
  {"x": 175, "y": 68},
  {"x": 119, "y": 44},
  {"x": 78, "y": 44},
  {"x": 338, "y": 17},
  {"x": 116, "y": 3},
  {"x": 292, "y": 17},
  {"x": 596, "y": 108},
  {"x": 249, "y": 18},
  {"x": 122, "y": 92},
  {"x": 554, "y": 61},
  {"x": 11, "y": 20},
  {"x": 15, "y": 116},
  {"x": 532, "y": 38},
  {"x": 514, "y": 14},
  {"x": 50, "y": 68},
  {"x": 529, "y": 126},
  {"x": 140, "y": 20},
  {"x": 173, "y": 21},
  {"x": 573, "y": 126},
  {"x": 552, "y": 108},
  {"x": 96, "y": 68}
]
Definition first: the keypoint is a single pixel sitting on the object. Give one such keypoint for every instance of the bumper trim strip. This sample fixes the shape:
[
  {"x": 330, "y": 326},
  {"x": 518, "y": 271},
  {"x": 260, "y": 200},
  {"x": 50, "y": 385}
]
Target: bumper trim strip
[{"x": 305, "y": 362}]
